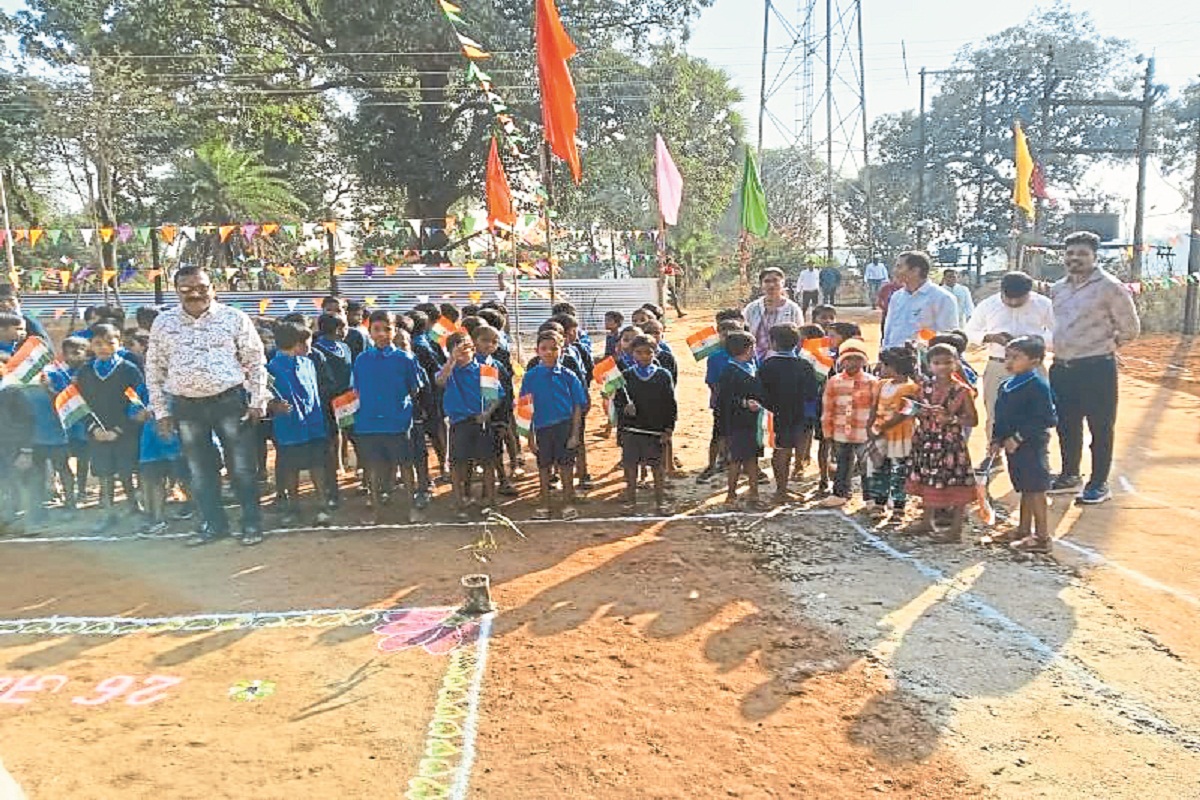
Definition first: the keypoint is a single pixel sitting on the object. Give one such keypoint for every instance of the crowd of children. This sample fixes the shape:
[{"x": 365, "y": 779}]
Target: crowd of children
[{"x": 434, "y": 396}]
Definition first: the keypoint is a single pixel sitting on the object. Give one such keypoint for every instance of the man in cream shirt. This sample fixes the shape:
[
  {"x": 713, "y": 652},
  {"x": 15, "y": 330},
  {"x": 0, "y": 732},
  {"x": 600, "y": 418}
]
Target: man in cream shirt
[{"x": 1016, "y": 311}]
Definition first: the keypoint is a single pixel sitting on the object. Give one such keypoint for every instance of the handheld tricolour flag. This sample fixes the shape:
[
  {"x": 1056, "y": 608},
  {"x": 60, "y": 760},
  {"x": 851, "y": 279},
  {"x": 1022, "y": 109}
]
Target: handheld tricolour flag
[
  {"x": 442, "y": 329},
  {"x": 609, "y": 376},
  {"x": 766, "y": 428},
  {"x": 344, "y": 408},
  {"x": 132, "y": 396},
  {"x": 27, "y": 362},
  {"x": 987, "y": 514},
  {"x": 818, "y": 353},
  {"x": 704, "y": 343},
  {"x": 489, "y": 382},
  {"x": 523, "y": 415},
  {"x": 71, "y": 407}
]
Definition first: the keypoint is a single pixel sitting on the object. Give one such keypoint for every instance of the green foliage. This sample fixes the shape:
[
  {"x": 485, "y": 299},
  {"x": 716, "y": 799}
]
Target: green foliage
[{"x": 220, "y": 183}]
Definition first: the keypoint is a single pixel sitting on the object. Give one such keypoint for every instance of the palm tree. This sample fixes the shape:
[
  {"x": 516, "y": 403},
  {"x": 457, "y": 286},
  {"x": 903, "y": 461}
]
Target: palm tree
[{"x": 222, "y": 185}]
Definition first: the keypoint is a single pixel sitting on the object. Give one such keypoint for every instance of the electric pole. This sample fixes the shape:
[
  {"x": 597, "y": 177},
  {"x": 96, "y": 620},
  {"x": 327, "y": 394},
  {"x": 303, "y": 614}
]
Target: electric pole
[
  {"x": 1143, "y": 155},
  {"x": 1193, "y": 269},
  {"x": 921, "y": 169},
  {"x": 8, "y": 251}
]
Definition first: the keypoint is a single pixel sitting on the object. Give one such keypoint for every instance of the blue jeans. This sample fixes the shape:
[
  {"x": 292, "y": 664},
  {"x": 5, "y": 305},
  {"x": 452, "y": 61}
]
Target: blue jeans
[
  {"x": 224, "y": 415},
  {"x": 873, "y": 288}
]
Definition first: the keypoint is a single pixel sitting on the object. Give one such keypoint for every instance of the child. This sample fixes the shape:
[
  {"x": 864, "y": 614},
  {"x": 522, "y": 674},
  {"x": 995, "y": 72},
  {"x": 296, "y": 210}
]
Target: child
[
  {"x": 113, "y": 448},
  {"x": 812, "y": 422},
  {"x": 558, "y": 403},
  {"x": 339, "y": 364},
  {"x": 613, "y": 320},
  {"x": 473, "y": 439},
  {"x": 75, "y": 358},
  {"x": 789, "y": 386},
  {"x": 159, "y": 465},
  {"x": 1025, "y": 414},
  {"x": 824, "y": 317},
  {"x": 579, "y": 359},
  {"x": 650, "y": 314},
  {"x": 136, "y": 343},
  {"x": 894, "y": 427},
  {"x": 356, "y": 338},
  {"x": 431, "y": 359},
  {"x": 739, "y": 399},
  {"x": 624, "y": 356},
  {"x": 847, "y": 407},
  {"x": 299, "y": 423},
  {"x": 662, "y": 354},
  {"x": 387, "y": 381},
  {"x": 647, "y": 412},
  {"x": 16, "y": 450},
  {"x": 941, "y": 472},
  {"x": 487, "y": 345},
  {"x": 964, "y": 375},
  {"x": 421, "y": 404},
  {"x": 717, "y": 362}
]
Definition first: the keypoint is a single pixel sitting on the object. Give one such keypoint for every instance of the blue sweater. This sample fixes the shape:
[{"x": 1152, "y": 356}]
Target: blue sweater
[
  {"x": 1025, "y": 407},
  {"x": 386, "y": 381},
  {"x": 296, "y": 384}
]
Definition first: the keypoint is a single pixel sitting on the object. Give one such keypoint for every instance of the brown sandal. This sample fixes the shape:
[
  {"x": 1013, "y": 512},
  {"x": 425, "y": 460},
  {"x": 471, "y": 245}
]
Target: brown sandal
[
  {"x": 1003, "y": 537},
  {"x": 1033, "y": 544}
]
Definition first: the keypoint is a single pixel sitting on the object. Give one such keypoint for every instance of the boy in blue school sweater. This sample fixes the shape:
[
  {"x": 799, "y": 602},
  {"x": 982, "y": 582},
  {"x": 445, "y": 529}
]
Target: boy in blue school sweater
[
  {"x": 298, "y": 423},
  {"x": 473, "y": 435},
  {"x": 559, "y": 400},
  {"x": 387, "y": 383}
]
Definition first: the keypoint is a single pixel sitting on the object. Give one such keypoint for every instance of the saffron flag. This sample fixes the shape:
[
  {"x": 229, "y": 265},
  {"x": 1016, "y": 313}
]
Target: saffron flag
[
  {"x": 442, "y": 329},
  {"x": 560, "y": 118},
  {"x": 668, "y": 181},
  {"x": 489, "y": 382},
  {"x": 609, "y": 376},
  {"x": 344, "y": 408},
  {"x": 70, "y": 406},
  {"x": 1022, "y": 196},
  {"x": 523, "y": 415},
  {"x": 766, "y": 428},
  {"x": 704, "y": 343},
  {"x": 754, "y": 199},
  {"x": 499, "y": 193},
  {"x": 132, "y": 396},
  {"x": 818, "y": 353},
  {"x": 27, "y": 362}
]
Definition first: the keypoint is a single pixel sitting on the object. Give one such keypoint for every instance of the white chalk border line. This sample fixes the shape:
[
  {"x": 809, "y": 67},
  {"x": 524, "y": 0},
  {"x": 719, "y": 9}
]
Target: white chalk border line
[{"x": 1124, "y": 709}]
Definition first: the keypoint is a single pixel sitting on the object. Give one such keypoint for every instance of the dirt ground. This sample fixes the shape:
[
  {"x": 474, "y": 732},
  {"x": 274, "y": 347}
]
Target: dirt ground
[{"x": 803, "y": 655}]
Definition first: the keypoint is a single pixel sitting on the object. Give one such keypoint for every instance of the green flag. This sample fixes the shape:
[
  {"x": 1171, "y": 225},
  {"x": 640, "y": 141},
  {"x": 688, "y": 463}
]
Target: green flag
[{"x": 754, "y": 199}]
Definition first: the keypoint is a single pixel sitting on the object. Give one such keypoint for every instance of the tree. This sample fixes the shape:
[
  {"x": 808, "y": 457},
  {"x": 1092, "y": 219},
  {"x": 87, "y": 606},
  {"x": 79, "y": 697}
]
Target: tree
[
  {"x": 224, "y": 185},
  {"x": 1055, "y": 54}
]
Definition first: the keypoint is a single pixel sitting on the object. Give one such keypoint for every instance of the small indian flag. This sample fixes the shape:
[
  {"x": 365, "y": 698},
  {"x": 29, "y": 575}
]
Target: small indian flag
[
  {"x": 70, "y": 405},
  {"x": 132, "y": 396},
  {"x": 523, "y": 415},
  {"x": 442, "y": 329},
  {"x": 344, "y": 407},
  {"x": 704, "y": 343},
  {"x": 609, "y": 376},
  {"x": 766, "y": 428},
  {"x": 909, "y": 407},
  {"x": 489, "y": 382},
  {"x": 818, "y": 353},
  {"x": 925, "y": 336},
  {"x": 28, "y": 361}
]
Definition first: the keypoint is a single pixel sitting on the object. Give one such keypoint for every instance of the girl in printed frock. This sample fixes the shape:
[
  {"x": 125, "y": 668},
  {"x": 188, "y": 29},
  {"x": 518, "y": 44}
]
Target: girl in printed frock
[
  {"x": 942, "y": 475},
  {"x": 893, "y": 428}
]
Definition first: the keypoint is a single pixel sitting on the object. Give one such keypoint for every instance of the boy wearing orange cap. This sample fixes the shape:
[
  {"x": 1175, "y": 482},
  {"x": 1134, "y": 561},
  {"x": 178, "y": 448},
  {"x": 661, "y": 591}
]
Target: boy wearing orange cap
[{"x": 848, "y": 407}]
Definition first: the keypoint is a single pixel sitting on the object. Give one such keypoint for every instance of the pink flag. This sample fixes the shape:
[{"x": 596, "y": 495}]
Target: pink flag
[{"x": 670, "y": 182}]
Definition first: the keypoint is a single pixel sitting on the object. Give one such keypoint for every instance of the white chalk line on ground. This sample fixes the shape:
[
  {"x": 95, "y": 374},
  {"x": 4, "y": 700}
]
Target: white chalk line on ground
[
  {"x": 1102, "y": 560},
  {"x": 1126, "y": 709},
  {"x": 404, "y": 526},
  {"x": 471, "y": 724},
  {"x": 197, "y": 623}
]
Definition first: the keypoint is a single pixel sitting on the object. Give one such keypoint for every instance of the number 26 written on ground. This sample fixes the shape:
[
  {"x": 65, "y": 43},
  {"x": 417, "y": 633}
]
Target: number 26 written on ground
[{"x": 136, "y": 691}]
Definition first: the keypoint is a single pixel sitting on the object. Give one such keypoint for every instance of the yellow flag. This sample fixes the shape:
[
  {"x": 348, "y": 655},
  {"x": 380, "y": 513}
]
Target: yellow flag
[{"x": 1022, "y": 194}]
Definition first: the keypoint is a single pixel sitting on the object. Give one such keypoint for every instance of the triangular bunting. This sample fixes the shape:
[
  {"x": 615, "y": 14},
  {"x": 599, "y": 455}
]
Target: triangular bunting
[
  {"x": 143, "y": 235},
  {"x": 19, "y": 234},
  {"x": 289, "y": 230},
  {"x": 167, "y": 233},
  {"x": 55, "y": 235},
  {"x": 87, "y": 234},
  {"x": 415, "y": 224},
  {"x": 308, "y": 229},
  {"x": 34, "y": 235},
  {"x": 225, "y": 230},
  {"x": 188, "y": 231},
  {"x": 269, "y": 228},
  {"x": 249, "y": 231},
  {"x": 330, "y": 225},
  {"x": 124, "y": 232}
]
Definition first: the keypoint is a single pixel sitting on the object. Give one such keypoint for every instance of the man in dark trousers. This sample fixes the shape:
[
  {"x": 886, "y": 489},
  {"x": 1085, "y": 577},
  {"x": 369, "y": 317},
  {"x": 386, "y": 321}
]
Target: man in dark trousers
[{"x": 1094, "y": 315}]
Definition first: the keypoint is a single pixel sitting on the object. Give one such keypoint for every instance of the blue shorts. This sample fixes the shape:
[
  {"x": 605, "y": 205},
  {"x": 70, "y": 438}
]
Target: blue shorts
[
  {"x": 299, "y": 457},
  {"x": 552, "y": 446},
  {"x": 742, "y": 445},
  {"x": 472, "y": 443},
  {"x": 790, "y": 436}
]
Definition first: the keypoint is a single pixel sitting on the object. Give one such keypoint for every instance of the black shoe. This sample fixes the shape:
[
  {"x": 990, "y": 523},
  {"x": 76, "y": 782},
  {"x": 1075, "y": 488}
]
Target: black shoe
[
  {"x": 251, "y": 536},
  {"x": 421, "y": 501},
  {"x": 1066, "y": 484},
  {"x": 205, "y": 537}
]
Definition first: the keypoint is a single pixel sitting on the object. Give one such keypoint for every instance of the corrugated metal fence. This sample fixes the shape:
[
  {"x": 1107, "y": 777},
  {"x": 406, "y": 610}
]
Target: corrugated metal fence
[{"x": 592, "y": 297}]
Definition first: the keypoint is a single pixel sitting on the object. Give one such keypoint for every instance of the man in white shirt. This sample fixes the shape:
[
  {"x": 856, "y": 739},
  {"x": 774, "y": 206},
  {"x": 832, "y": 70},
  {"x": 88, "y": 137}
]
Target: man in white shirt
[
  {"x": 1016, "y": 311},
  {"x": 808, "y": 285},
  {"x": 875, "y": 274},
  {"x": 920, "y": 305},
  {"x": 773, "y": 308},
  {"x": 962, "y": 295}
]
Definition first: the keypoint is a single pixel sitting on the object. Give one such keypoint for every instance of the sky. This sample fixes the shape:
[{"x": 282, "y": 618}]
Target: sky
[{"x": 902, "y": 36}]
